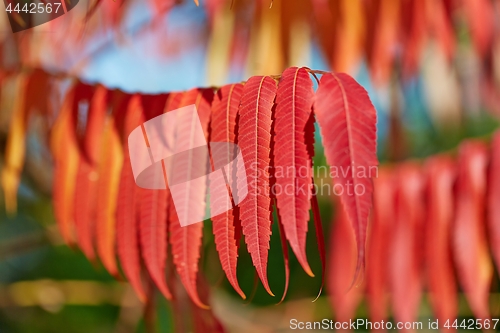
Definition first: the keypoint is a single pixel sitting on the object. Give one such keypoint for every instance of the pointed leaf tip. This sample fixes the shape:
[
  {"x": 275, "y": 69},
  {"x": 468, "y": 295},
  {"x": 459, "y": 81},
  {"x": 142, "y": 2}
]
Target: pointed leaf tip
[{"x": 255, "y": 119}]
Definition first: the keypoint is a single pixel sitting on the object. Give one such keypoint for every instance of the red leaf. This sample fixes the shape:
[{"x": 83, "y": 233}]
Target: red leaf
[
  {"x": 480, "y": 16},
  {"x": 110, "y": 165},
  {"x": 127, "y": 207},
  {"x": 153, "y": 234},
  {"x": 153, "y": 211},
  {"x": 441, "y": 175},
  {"x": 405, "y": 272},
  {"x": 254, "y": 138},
  {"x": 441, "y": 24},
  {"x": 347, "y": 120},
  {"x": 223, "y": 129},
  {"x": 383, "y": 34},
  {"x": 379, "y": 236},
  {"x": 186, "y": 241},
  {"x": 471, "y": 254},
  {"x": 414, "y": 35},
  {"x": 87, "y": 175},
  {"x": 292, "y": 163},
  {"x": 494, "y": 198},
  {"x": 326, "y": 14},
  {"x": 343, "y": 298}
]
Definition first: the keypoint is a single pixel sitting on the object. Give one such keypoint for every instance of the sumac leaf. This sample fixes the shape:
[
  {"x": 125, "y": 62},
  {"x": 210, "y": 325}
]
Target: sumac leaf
[
  {"x": 347, "y": 120},
  {"x": 127, "y": 212},
  {"x": 441, "y": 175},
  {"x": 223, "y": 129},
  {"x": 406, "y": 259},
  {"x": 342, "y": 265},
  {"x": 494, "y": 198},
  {"x": 88, "y": 175},
  {"x": 379, "y": 236},
  {"x": 110, "y": 166},
  {"x": 292, "y": 162},
  {"x": 471, "y": 254},
  {"x": 254, "y": 126},
  {"x": 153, "y": 210},
  {"x": 186, "y": 241}
]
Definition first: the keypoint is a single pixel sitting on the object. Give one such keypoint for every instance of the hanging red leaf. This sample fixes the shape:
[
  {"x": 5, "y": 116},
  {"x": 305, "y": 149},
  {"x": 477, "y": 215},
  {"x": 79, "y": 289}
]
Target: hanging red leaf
[
  {"x": 110, "y": 165},
  {"x": 414, "y": 34},
  {"x": 480, "y": 17},
  {"x": 254, "y": 128},
  {"x": 384, "y": 36},
  {"x": 223, "y": 129},
  {"x": 326, "y": 14},
  {"x": 67, "y": 156},
  {"x": 342, "y": 266},
  {"x": 87, "y": 175},
  {"x": 441, "y": 174},
  {"x": 153, "y": 234},
  {"x": 347, "y": 120},
  {"x": 154, "y": 207},
  {"x": 292, "y": 163},
  {"x": 379, "y": 236},
  {"x": 475, "y": 270},
  {"x": 494, "y": 198},
  {"x": 186, "y": 241},
  {"x": 405, "y": 272},
  {"x": 127, "y": 213},
  {"x": 439, "y": 15}
]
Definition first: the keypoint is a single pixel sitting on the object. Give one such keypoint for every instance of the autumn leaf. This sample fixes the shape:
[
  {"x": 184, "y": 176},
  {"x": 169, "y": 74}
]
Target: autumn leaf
[
  {"x": 292, "y": 163},
  {"x": 87, "y": 174},
  {"x": 471, "y": 255},
  {"x": 226, "y": 225},
  {"x": 347, "y": 121},
  {"x": 110, "y": 166},
  {"x": 379, "y": 236},
  {"x": 127, "y": 210},
  {"x": 254, "y": 126},
  {"x": 441, "y": 175},
  {"x": 406, "y": 257},
  {"x": 153, "y": 224},
  {"x": 494, "y": 198},
  {"x": 186, "y": 240},
  {"x": 342, "y": 266}
]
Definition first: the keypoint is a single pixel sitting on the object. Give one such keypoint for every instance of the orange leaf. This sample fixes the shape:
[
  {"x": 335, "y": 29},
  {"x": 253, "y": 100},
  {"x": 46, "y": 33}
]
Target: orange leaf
[{"x": 110, "y": 165}]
